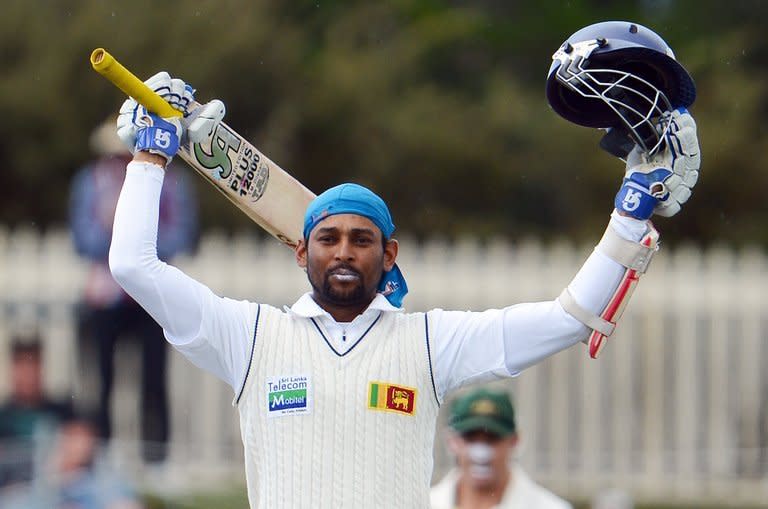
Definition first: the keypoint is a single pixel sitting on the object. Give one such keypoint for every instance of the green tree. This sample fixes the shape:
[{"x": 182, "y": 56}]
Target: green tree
[{"x": 438, "y": 105}]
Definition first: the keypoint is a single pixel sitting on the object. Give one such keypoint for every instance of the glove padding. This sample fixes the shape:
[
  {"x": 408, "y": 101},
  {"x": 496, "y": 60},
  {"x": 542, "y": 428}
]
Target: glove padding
[
  {"x": 141, "y": 130},
  {"x": 660, "y": 184}
]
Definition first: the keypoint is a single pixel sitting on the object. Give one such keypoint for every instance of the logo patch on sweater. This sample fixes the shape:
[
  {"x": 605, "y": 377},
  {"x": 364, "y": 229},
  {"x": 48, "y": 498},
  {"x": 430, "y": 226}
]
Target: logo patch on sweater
[
  {"x": 289, "y": 395},
  {"x": 391, "y": 398}
]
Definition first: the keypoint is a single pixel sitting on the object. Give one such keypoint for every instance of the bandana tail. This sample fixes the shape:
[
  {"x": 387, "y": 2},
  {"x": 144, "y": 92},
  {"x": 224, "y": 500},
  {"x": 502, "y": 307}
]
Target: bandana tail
[{"x": 393, "y": 286}]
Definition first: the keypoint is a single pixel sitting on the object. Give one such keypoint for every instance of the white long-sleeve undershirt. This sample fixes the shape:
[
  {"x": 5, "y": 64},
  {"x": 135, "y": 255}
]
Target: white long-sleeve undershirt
[{"x": 215, "y": 332}]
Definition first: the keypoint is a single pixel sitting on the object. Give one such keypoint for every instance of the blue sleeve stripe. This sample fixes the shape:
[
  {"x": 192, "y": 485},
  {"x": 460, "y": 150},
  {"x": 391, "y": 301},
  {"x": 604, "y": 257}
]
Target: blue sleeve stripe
[
  {"x": 253, "y": 348},
  {"x": 429, "y": 358}
]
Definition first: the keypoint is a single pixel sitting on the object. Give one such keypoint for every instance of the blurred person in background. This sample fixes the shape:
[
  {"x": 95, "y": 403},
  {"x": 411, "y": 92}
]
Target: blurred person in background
[
  {"x": 28, "y": 419},
  {"x": 107, "y": 313},
  {"x": 483, "y": 436},
  {"x": 74, "y": 479}
]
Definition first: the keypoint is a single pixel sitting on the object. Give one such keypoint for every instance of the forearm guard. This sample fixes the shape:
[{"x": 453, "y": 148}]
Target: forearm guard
[{"x": 635, "y": 257}]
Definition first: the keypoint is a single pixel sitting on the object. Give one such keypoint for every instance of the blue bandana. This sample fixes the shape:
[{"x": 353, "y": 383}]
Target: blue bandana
[{"x": 356, "y": 199}]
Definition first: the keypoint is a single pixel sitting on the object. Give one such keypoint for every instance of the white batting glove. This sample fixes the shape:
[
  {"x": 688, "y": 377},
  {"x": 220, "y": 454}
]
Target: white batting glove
[
  {"x": 662, "y": 183},
  {"x": 134, "y": 117},
  {"x": 198, "y": 121},
  {"x": 200, "y": 124}
]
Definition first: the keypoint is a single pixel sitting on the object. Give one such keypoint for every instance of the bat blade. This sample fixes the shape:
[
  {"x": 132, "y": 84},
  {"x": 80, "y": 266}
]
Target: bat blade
[{"x": 261, "y": 189}]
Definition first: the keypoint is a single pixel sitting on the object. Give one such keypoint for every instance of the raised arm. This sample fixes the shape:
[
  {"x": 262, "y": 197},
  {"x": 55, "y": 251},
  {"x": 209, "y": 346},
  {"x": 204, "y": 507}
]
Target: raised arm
[
  {"x": 484, "y": 346},
  {"x": 213, "y": 332},
  {"x": 173, "y": 299},
  {"x": 473, "y": 347}
]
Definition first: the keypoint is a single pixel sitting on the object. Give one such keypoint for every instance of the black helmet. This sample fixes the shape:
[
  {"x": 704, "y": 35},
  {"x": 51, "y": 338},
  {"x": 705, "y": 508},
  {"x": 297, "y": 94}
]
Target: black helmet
[{"x": 620, "y": 76}]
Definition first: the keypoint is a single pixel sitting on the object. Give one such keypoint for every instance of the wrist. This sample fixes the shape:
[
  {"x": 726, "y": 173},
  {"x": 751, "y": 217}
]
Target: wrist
[
  {"x": 143, "y": 156},
  {"x": 628, "y": 227}
]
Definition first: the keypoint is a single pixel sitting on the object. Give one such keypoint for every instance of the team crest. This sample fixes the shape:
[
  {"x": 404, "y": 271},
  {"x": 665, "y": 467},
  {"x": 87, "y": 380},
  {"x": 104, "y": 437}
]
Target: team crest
[
  {"x": 391, "y": 398},
  {"x": 484, "y": 407}
]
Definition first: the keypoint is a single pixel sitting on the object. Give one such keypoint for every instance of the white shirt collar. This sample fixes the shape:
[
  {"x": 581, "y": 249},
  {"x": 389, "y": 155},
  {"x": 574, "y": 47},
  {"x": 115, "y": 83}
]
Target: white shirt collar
[{"x": 306, "y": 306}]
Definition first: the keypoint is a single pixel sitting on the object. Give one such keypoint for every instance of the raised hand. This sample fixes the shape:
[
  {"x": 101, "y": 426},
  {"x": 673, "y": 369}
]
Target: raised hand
[
  {"x": 662, "y": 183},
  {"x": 141, "y": 130}
]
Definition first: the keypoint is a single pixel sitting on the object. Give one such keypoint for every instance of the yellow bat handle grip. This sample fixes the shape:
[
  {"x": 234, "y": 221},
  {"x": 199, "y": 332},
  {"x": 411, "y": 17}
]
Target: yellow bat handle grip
[{"x": 106, "y": 65}]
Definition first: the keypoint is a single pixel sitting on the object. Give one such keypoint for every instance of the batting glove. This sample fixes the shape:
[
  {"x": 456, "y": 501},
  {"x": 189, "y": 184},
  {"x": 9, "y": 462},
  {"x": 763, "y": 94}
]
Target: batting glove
[
  {"x": 140, "y": 130},
  {"x": 662, "y": 183}
]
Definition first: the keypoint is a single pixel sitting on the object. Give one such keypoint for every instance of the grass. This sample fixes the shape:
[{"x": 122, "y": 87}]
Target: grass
[
  {"x": 231, "y": 498},
  {"x": 235, "y": 497}
]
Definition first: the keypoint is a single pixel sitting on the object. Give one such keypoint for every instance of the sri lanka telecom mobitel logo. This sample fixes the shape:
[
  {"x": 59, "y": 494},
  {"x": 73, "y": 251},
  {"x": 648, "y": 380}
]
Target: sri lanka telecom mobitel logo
[{"x": 289, "y": 395}]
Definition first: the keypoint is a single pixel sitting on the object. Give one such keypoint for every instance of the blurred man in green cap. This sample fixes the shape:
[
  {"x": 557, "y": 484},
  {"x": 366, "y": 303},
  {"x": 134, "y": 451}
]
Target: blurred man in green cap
[{"x": 483, "y": 436}]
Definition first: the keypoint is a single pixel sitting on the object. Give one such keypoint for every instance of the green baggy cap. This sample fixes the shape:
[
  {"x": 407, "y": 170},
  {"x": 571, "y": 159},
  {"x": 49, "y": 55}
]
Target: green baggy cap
[{"x": 483, "y": 409}]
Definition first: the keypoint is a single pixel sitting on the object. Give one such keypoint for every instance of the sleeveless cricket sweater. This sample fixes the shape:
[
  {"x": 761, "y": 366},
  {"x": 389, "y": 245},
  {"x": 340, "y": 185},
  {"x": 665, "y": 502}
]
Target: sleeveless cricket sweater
[{"x": 324, "y": 430}]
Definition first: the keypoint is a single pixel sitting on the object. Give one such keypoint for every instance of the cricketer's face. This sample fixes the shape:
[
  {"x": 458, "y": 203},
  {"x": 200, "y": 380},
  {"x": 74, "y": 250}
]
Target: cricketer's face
[
  {"x": 482, "y": 457},
  {"x": 344, "y": 257},
  {"x": 26, "y": 375}
]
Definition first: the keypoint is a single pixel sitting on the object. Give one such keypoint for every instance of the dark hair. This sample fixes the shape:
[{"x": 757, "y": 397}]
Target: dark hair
[{"x": 26, "y": 344}]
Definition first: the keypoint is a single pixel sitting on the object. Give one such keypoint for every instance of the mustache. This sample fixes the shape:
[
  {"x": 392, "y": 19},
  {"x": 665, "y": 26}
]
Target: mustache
[{"x": 342, "y": 266}]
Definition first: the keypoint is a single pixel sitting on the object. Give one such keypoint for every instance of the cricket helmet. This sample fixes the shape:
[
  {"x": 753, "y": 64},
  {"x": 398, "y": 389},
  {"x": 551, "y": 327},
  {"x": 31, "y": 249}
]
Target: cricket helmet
[{"x": 620, "y": 76}]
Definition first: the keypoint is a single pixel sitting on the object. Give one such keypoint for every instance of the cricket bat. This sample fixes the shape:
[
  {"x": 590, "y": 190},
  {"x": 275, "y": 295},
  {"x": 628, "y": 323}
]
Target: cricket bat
[{"x": 261, "y": 189}]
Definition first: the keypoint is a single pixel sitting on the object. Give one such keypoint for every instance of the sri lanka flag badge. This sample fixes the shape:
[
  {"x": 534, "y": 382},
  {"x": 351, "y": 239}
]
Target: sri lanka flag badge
[{"x": 389, "y": 397}]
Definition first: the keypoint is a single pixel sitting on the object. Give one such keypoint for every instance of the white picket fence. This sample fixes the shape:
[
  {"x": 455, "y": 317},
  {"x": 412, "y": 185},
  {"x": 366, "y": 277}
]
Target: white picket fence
[{"x": 675, "y": 409}]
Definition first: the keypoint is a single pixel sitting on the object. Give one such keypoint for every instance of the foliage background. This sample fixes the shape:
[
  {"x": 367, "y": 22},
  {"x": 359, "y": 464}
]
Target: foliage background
[{"x": 438, "y": 105}]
